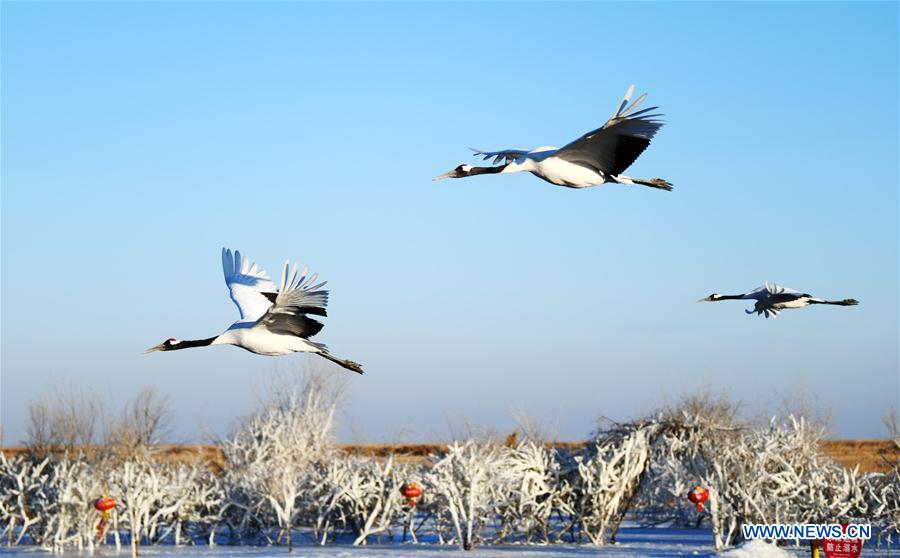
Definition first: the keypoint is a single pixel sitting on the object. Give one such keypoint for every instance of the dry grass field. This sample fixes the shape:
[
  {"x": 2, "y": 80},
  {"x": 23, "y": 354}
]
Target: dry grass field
[{"x": 870, "y": 455}]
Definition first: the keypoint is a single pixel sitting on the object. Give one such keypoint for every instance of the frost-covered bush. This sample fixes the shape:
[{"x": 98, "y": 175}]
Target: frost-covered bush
[
  {"x": 276, "y": 459},
  {"x": 159, "y": 502},
  {"x": 369, "y": 500},
  {"x": 465, "y": 482},
  {"x": 604, "y": 480},
  {"x": 284, "y": 475},
  {"x": 51, "y": 503},
  {"x": 885, "y": 494},
  {"x": 531, "y": 485},
  {"x": 772, "y": 473},
  {"x": 73, "y": 487},
  {"x": 195, "y": 502},
  {"x": 26, "y": 498}
]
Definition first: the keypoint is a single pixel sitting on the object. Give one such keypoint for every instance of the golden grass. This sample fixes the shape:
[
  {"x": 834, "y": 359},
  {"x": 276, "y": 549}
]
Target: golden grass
[{"x": 870, "y": 455}]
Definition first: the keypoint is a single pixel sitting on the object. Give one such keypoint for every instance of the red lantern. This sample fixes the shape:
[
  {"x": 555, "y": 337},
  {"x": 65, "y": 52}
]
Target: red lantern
[
  {"x": 411, "y": 491},
  {"x": 103, "y": 505},
  {"x": 697, "y": 496}
]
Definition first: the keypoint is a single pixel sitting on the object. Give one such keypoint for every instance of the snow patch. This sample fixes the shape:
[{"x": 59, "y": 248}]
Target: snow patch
[{"x": 757, "y": 549}]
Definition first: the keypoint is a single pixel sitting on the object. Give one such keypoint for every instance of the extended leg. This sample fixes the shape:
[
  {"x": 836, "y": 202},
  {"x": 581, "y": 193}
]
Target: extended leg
[
  {"x": 348, "y": 364},
  {"x": 653, "y": 182},
  {"x": 845, "y": 302}
]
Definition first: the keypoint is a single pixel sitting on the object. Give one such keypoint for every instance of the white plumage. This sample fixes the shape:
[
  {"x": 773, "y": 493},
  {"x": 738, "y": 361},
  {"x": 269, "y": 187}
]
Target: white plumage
[
  {"x": 246, "y": 283},
  {"x": 598, "y": 157},
  {"x": 273, "y": 321},
  {"x": 772, "y": 299}
]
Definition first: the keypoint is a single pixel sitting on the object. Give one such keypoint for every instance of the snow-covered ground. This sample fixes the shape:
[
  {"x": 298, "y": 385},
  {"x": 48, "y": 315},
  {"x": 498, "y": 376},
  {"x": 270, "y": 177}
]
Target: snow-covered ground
[{"x": 634, "y": 543}]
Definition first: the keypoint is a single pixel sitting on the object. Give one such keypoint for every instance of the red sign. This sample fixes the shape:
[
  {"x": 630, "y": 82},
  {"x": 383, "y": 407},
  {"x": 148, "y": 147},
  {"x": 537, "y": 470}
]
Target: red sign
[{"x": 842, "y": 548}]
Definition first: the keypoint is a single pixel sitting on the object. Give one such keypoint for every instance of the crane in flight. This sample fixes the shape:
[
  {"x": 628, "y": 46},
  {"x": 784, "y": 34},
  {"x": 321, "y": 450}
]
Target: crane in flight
[
  {"x": 598, "y": 157},
  {"x": 274, "y": 321},
  {"x": 772, "y": 299}
]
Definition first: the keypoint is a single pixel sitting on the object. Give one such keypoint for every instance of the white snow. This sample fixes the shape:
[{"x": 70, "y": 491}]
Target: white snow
[
  {"x": 636, "y": 542},
  {"x": 757, "y": 549}
]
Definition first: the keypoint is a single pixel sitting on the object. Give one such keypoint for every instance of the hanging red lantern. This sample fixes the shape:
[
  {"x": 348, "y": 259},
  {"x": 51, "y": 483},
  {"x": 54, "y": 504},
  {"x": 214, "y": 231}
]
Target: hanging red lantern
[
  {"x": 103, "y": 505},
  {"x": 411, "y": 491},
  {"x": 697, "y": 496}
]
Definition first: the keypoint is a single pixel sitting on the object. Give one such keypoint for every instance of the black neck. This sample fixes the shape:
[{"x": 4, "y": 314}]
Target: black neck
[
  {"x": 486, "y": 170},
  {"x": 194, "y": 343},
  {"x": 730, "y": 297}
]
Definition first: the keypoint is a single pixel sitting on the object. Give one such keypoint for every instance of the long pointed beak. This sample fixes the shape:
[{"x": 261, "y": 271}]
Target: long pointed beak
[
  {"x": 156, "y": 348},
  {"x": 707, "y": 299},
  {"x": 445, "y": 175}
]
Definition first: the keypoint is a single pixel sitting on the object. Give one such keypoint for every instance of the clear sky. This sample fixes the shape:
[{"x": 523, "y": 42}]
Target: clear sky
[{"x": 140, "y": 138}]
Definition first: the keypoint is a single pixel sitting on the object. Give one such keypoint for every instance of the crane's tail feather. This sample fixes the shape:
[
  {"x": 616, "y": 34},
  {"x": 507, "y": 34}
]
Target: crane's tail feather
[{"x": 348, "y": 364}]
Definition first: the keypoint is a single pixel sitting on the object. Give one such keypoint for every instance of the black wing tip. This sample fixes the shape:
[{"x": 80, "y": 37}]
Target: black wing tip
[
  {"x": 314, "y": 310},
  {"x": 270, "y": 296}
]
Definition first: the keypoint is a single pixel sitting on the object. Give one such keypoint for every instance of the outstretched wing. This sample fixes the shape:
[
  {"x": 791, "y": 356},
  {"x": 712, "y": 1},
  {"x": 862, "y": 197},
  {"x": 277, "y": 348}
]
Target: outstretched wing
[
  {"x": 759, "y": 293},
  {"x": 298, "y": 296},
  {"x": 247, "y": 284},
  {"x": 613, "y": 147},
  {"x": 506, "y": 156},
  {"x": 770, "y": 295},
  {"x": 779, "y": 294}
]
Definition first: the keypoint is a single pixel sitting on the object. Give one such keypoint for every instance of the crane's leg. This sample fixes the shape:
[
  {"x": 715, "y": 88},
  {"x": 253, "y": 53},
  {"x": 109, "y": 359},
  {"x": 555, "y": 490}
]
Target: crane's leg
[
  {"x": 845, "y": 302},
  {"x": 348, "y": 364},
  {"x": 653, "y": 182}
]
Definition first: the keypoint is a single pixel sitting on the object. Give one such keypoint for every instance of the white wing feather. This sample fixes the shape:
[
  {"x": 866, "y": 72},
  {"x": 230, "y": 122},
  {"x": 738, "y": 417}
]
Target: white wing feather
[
  {"x": 299, "y": 289},
  {"x": 778, "y": 289},
  {"x": 246, "y": 285}
]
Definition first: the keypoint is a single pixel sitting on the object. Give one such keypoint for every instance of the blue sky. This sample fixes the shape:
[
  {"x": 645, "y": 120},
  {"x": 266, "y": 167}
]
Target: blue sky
[{"x": 140, "y": 138}]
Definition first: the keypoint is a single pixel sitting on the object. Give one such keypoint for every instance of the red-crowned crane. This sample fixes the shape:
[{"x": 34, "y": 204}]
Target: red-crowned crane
[
  {"x": 772, "y": 299},
  {"x": 598, "y": 157},
  {"x": 273, "y": 321}
]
